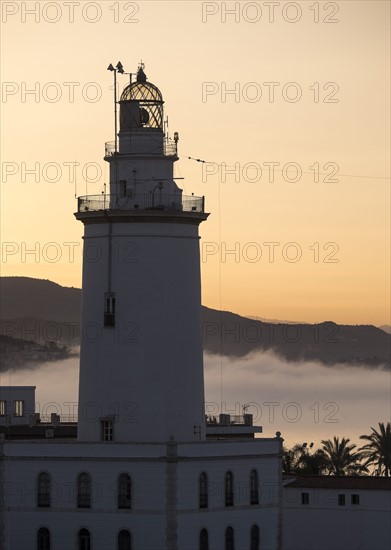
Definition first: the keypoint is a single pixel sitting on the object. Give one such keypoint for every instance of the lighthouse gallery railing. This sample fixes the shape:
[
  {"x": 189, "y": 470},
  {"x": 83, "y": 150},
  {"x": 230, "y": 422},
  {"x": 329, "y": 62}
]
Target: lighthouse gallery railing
[{"x": 151, "y": 201}]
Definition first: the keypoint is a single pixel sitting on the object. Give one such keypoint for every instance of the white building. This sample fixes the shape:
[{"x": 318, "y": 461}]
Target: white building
[
  {"x": 337, "y": 513},
  {"x": 17, "y": 406},
  {"x": 146, "y": 471}
]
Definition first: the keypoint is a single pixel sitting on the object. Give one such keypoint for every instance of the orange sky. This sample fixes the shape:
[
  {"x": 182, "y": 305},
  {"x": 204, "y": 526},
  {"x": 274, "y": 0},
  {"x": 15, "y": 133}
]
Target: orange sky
[{"x": 341, "y": 121}]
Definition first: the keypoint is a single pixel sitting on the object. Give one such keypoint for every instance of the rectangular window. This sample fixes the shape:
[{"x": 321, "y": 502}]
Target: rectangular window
[
  {"x": 109, "y": 317},
  {"x": 341, "y": 500},
  {"x": 19, "y": 408},
  {"x": 2, "y": 407},
  {"x": 305, "y": 498},
  {"x": 355, "y": 499},
  {"x": 107, "y": 430}
]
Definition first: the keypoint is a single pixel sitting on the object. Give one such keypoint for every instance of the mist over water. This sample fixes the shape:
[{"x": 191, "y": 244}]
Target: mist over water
[{"x": 306, "y": 401}]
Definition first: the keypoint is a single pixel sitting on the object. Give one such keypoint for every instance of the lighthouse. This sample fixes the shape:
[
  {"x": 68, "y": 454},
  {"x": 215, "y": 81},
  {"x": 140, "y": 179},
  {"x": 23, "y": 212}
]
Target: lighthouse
[
  {"x": 141, "y": 365},
  {"x": 143, "y": 467}
]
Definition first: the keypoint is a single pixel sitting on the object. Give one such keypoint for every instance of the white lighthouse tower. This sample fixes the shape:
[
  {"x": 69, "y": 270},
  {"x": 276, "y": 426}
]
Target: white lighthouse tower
[{"x": 141, "y": 366}]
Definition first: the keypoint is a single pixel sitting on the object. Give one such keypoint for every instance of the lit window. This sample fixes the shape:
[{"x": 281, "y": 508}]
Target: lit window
[
  {"x": 84, "y": 490},
  {"x": 254, "y": 538},
  {"x": 83, "y": 540},
  {"x": 305, "y": 498},
  {"x": 341, "y": 500},
  {"x": 2, "y": 407},
  {"x": 204, "y": 540},
  {"x": 43, "y": 490},
  {"x": 109, "y": 317},
  {"x": 43, "y": 539},
  {"x": 355, "y": 499},
  {"x": 254, "y": 497},
  {"x": 124, "y": 540},
  {"x": 229, "y": 489},
  {"x": 106, "y": 430},
  {"x": 203, "y": 490},
  {"x": 124, "y": 492},
  {"x": 229, "y": 539},
  {"x": 19, "y": 408}
]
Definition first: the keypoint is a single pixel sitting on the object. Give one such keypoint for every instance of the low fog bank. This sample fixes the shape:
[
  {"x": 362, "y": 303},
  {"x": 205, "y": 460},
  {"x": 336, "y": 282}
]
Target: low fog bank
[{"x": 304, "y": 401}]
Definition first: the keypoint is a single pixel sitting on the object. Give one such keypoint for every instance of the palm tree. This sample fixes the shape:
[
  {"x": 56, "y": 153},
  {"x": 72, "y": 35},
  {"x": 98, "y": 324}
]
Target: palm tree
[
  {"x": 341, "y": 459},
  {"x": 299, "y": 460},
  {"x": 378, "y": 451},
  {"x": 292, "y": 459}
]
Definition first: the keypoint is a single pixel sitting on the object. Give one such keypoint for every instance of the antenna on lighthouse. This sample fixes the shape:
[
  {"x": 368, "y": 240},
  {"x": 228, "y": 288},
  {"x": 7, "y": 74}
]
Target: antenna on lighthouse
[{"x": 119, "y": 68}]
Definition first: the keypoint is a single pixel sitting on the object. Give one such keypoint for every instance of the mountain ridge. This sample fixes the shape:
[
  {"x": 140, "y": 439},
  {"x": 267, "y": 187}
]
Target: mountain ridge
[{"x": 47, "y": 311}]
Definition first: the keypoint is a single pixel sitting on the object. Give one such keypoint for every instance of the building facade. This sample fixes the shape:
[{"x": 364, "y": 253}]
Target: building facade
[{"x": 337, "y": 513}]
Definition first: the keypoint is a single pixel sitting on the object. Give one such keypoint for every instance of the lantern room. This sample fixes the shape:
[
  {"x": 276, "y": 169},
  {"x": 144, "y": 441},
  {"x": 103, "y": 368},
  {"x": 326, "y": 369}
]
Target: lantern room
[{"x": 141, "y": 106}]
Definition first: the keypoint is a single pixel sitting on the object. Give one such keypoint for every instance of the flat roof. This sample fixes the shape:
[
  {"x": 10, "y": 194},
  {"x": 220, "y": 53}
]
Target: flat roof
[{"x": 371, "y": 483}]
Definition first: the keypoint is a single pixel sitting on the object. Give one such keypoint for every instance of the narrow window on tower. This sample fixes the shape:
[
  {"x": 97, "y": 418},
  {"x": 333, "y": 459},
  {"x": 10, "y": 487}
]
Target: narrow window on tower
[
  {"x": 109, "y": 317},
  {"x": 2, "y": 408},
  {"x": 106, "y": 426}
]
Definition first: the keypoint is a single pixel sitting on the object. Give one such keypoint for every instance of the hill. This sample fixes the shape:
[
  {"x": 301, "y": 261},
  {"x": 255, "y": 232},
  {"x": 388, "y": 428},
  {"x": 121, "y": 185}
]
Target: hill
[{"x": 43, "y": 311}]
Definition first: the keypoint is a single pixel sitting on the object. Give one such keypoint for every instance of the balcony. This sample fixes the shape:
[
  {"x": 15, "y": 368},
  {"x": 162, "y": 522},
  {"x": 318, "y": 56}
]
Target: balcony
[
  {"x": 166, "y": 148},
  {"x": 151, "y": 201},
  {"x": 227, "y": 426}
]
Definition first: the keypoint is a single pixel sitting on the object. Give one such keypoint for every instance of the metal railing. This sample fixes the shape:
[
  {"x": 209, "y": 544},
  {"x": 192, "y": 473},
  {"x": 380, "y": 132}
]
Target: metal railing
[
  {"x": 151, "y": 201},
  {"x": 63, "y": 419},
  {"x": 230, "y": 420},
  {"x": 168, "y": 149}
]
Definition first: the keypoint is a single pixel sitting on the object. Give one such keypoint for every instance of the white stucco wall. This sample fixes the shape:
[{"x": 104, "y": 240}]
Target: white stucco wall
[
  {"x": 147, "y": 465},
  {"x": 323, "y": 525}
]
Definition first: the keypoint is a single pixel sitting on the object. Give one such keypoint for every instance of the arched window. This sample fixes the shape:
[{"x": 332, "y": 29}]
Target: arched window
[
  {"x": 124, "y": 492},
  {"x": 254, "y": 496},
  {"x": 204, "y": 540},
  {"x": 43, "y": 490},
  {"x": 229, "y": 539},
  {"x": 84, "y": 491},
  {"x": 43, "y": 539},
  {"x": 124, "y": 540},
  {"x": 254, "y": 542},
  {"x": 83, "y": 540},
  {"x": 229, "y": 489},
  {"x": 203, "y": 490}
]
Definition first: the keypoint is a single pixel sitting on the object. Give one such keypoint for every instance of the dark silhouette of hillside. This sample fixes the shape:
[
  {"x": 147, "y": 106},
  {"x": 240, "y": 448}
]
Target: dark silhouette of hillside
[
  {"x": 43, "y": 311},
  {"x": 39, "y": 298},
  {"x": 328, "y": 343},
  {"x": 17, "y": 353}
]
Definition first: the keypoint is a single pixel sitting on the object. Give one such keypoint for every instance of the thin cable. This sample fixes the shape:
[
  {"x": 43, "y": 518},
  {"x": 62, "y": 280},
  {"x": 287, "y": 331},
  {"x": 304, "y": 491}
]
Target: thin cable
[
  {"x": 220, "y": 302},
  {"x": 303, "y": 172}
]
